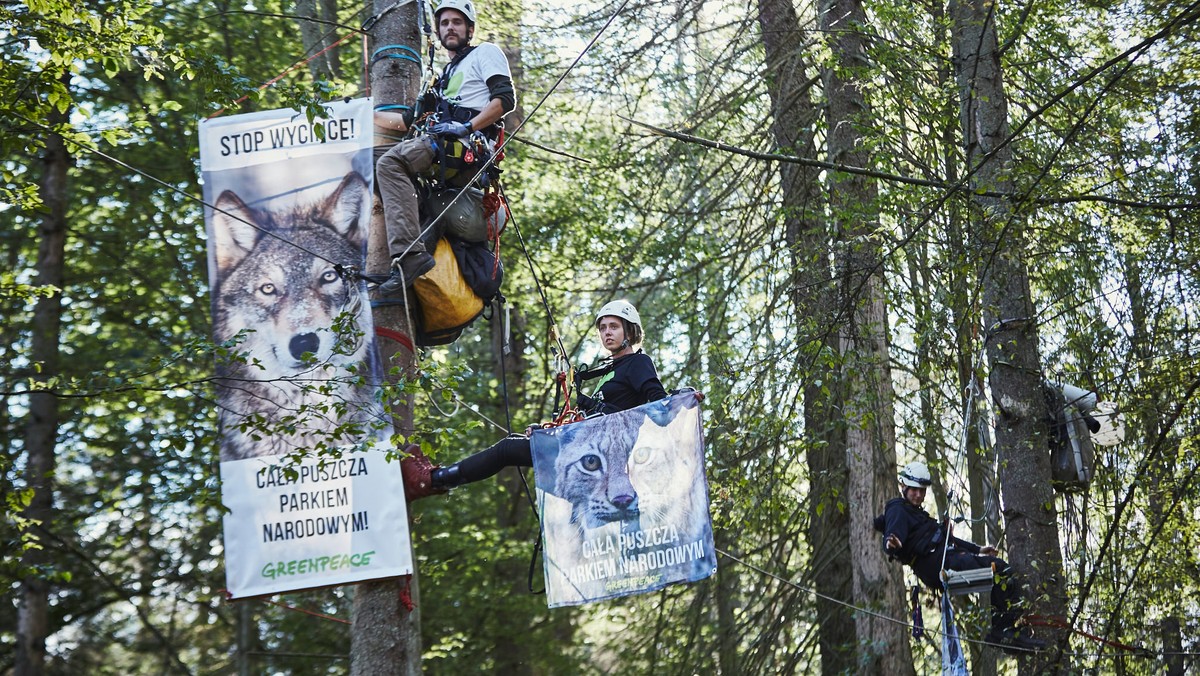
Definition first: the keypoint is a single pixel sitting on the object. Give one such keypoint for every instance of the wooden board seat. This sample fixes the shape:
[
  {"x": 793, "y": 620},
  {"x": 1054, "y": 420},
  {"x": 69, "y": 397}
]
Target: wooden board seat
[{"x": 974, "y": 581}]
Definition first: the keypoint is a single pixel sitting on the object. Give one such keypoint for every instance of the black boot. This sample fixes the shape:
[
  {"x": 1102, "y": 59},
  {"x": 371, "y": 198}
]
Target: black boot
[
  {"x": 445, "y": 478},
  {"x": 405, "y": 271},
  {"x": 1024, "y": 641}
]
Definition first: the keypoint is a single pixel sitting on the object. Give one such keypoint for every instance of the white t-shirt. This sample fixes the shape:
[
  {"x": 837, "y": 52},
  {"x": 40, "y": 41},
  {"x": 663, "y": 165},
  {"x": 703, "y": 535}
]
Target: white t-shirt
[{"x": 468, "y": 81}]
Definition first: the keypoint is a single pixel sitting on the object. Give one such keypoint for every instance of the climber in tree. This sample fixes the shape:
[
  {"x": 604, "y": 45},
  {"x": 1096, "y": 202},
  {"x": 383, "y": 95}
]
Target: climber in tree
[
  {"x": 625, "y": 380},
  {"x": 916, "y": 539},
  {"x": 468, "y": 103}
]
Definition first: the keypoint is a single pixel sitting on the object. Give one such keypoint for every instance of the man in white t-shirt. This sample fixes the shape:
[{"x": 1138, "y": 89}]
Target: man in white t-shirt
[{"x": 473, "y": 94}]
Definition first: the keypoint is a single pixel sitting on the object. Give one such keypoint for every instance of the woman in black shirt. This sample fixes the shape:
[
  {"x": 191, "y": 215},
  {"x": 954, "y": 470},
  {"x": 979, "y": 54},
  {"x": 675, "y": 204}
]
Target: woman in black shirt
[{"x": 627, "y": 380}]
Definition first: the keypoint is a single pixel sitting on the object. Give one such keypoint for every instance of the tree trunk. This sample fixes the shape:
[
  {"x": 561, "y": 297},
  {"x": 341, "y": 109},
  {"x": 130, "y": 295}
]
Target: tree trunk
[
  {"x": 247, "y": 637},
  {"x": 507, "y": 16},
  {"x": 728, "y": 590},
  {"x": 789, "y": 86},
  {"x": 318, "y": 36},
  {"x": 1015, "y": 380},
  {"x": 1172, "y": 641},
  {"x": 1160, "y": 470},
  {"x": 980, "y": 454},
  {"x": 41, "y": 430},
  {"x": 385, "y": 635},
  {"x": 866, "y": 375}
]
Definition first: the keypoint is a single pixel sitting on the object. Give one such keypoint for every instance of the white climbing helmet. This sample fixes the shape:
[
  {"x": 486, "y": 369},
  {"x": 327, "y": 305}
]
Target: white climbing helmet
[
  {"x": 465, "y": 6},
  {"x": 915, "y": 475},
  {"x": 620, "y": 308}
]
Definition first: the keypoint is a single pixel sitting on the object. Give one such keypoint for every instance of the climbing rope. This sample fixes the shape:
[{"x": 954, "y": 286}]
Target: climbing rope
[
  {"x": 1061, "y": 623},
  {"x": 561, "y": 353},
  {"x": 229, "y": 597},
  {"x": 973, "y": 391},
  {"x": 460, "y": 404},
  {"x": 200, "y": 200},
  {"x": 285, "y": 71}
]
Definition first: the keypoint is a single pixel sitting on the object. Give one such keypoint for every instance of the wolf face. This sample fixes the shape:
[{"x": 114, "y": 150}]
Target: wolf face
[{"x": 302, "y": 364}]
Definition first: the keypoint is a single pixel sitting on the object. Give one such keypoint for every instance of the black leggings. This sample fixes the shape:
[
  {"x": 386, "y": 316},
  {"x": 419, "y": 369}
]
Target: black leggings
[{"x": 511, "y": 451}]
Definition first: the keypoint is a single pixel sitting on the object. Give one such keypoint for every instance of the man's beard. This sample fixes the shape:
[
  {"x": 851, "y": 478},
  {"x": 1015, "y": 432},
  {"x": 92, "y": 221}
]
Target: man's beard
[{"x": 462, "y": 42}]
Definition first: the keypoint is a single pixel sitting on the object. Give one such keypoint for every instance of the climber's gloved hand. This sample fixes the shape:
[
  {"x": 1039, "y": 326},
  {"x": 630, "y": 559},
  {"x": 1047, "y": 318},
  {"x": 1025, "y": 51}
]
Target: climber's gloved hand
[{"x": 452, "y": 128}]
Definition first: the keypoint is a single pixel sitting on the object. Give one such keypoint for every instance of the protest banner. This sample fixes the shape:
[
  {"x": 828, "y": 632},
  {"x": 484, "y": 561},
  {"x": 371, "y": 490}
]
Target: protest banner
[
  {"x": 306, "y": 474},
  {"x": 624, "y": 502}
]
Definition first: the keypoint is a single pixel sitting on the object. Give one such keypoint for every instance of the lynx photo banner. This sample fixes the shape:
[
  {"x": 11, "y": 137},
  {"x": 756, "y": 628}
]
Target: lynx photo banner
[
  {"x": 624, "y": 502},
  {"x": 312, "y": 498}
]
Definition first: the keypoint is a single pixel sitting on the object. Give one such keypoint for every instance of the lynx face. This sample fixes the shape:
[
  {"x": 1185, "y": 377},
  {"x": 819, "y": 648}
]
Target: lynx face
[
  {"x": 593, "y": 475},
  {"x": 664, "y": 470}
]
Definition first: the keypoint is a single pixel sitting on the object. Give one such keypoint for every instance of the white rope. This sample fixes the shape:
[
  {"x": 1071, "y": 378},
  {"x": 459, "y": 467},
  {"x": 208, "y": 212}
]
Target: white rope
[{"x": 459, "y": 404}]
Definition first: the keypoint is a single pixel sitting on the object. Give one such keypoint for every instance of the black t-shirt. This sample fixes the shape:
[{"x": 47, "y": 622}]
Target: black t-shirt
[{"x": 631, "y": 382}]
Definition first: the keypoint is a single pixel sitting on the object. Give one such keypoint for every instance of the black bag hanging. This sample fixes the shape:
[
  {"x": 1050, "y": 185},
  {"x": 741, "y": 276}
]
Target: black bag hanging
[{"x": 480, "y": 267}]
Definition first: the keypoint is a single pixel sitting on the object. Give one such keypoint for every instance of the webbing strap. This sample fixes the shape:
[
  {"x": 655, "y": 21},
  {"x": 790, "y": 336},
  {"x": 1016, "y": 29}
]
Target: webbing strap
[
  {"x": 412, "y": 55},
  {"x": 392, "y": 334},
  {"x": 918, "y": 622}
]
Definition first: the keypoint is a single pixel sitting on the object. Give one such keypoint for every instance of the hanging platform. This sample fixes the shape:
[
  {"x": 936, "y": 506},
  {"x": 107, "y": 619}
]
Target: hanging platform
[{"x": 977, "y": 581}]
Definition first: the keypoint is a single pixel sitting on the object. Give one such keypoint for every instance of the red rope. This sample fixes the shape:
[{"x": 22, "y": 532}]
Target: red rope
[
  {"x": 229, "y": 597},
  {"x": 568, "y": 415},
  {"x": 493, "y": 202},
  {"x": 307, "y": 612},
  {"x": 500, "y": 144},
  {"x": 1059, "y": 623},
  {"x": 392, "y": 334},
  {"x": 279, "y": 77},
  {"x": 406, "y": 594}
]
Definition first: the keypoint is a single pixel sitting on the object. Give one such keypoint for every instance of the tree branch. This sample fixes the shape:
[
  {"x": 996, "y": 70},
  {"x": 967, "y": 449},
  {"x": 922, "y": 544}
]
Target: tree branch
[{"x": 907, "y": 180}]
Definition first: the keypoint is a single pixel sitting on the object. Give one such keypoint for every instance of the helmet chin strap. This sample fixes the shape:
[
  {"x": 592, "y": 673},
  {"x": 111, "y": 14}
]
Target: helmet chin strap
[{"x": 620, "y": 348}]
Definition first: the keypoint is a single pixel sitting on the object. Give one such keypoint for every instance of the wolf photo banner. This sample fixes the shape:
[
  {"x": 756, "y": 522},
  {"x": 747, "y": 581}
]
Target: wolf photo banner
[
  {"x": 624, "y": 502},
  {"x": 311, "y": 495}
]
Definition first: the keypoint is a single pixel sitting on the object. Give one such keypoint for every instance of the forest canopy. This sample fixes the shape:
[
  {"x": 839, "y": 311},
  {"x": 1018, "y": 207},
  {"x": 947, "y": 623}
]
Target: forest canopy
[{"x": 868, "y": 231}]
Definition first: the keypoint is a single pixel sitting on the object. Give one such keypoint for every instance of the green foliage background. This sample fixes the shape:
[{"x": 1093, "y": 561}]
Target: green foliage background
[{"x": 1105, "y": 168}]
